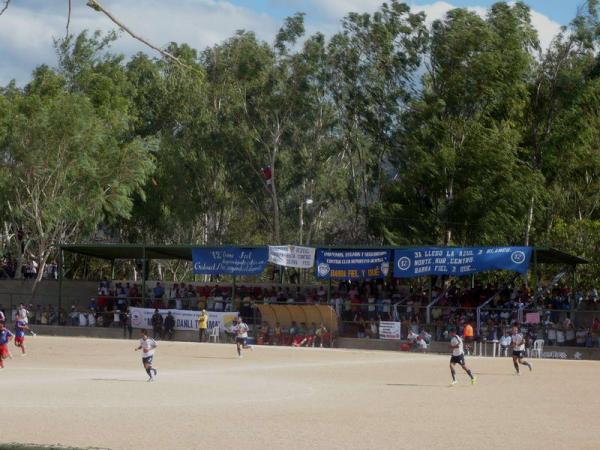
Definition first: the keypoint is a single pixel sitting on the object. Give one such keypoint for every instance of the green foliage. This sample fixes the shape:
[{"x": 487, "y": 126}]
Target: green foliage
[{"x": 459, "y": 132}]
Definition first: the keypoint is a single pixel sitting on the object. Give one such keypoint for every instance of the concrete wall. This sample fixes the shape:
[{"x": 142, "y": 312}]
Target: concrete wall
[
  {"x": 13, "y": 292},
  {"x": 102, "y": 332},
  {"x": 551, "y": 352}
]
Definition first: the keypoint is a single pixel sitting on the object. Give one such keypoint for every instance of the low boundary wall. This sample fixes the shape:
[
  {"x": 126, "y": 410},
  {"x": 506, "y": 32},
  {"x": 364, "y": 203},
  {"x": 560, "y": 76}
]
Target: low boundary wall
[{"x": 552, "y": 352}]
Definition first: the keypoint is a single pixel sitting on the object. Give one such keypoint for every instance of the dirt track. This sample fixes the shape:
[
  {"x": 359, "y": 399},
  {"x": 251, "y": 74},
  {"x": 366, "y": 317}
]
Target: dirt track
[{"x": 93, "y": 392}]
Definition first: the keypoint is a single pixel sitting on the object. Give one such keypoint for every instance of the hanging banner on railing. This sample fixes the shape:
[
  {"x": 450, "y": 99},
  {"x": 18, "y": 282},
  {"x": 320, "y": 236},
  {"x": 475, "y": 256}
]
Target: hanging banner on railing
[
  {"x": 457, "y": 261},
  {"x": 185, "y": 320},
  {"x": 230, "y": 260},
  {"x": 292, "y": 256},
  {"x": 351, "y": 264},
  {"x": 389, "y": 330}
]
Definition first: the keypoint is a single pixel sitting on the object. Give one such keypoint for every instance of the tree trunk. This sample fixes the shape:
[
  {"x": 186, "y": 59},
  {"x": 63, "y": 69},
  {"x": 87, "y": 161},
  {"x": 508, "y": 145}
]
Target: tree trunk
[
  {"x": 276, "y": 231},
  {"x": 529, "y": 222}
]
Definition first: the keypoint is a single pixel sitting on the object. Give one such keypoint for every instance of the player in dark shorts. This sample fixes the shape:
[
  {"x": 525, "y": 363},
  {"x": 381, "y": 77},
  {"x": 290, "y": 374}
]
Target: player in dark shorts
[
  {"x": 458, "y": 357},
  {"x": 518, "y": 349},
  {"x": 241, "y": 336},
  {"x": 147, "y": 345}
]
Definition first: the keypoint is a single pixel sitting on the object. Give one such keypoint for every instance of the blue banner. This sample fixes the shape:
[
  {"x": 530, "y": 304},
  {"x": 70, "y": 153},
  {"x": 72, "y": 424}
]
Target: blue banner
[
  {"x": 351, "y": 264},
  {"x": 230, "y": 260},
  {"x": 457, "y": 261}
]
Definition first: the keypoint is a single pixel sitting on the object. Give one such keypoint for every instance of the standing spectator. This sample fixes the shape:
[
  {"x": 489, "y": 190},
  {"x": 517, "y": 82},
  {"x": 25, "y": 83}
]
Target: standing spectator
[
  {"x": 505, "y": 342},
  {"x": 2, "y": 316},
  {"x": 169, "y": 326},
  {"x": 158, "y": 293},
  {"x": 319, "y": 335},
  {"x": 596, "y": 332},
  {"x": 202, "y": 325},
  {"x": 73, "y": 317},
  {"x": 468, "y": 336},
  {"x": 126, "y": 323},
  {"x": 157, "y": 324}
]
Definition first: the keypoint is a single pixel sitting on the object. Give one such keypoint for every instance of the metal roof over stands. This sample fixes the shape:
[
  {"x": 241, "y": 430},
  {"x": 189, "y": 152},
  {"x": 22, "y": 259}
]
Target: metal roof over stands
[{"x": 541, "y": 255}]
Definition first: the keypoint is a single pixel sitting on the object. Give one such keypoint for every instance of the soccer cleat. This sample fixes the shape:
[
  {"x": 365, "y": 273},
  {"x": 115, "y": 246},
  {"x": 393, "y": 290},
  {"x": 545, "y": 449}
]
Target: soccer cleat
[
  {"x": 155, "y": 371},
  {"x": 240, "y": 356},
  {"x": 530, "y": 367},
  {"x": 150, "y": 380},
  {"x": 517, "y": 374},
  {"x": 473, "y": 380},
  {"x": 453, "y": 383}
]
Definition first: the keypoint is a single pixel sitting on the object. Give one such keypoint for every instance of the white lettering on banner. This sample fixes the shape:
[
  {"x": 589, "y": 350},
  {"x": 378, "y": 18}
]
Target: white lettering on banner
[
  {"x": 292, "y": 256},
  {"x": 185, "y": 320},
  {"x": 389, "y": 330}
]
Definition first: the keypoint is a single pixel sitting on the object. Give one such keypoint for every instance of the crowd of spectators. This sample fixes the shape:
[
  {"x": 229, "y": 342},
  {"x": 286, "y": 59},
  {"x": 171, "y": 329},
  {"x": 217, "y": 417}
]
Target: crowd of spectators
[
  {"x": 28, "y": 270},
  {"x": 360, "y": 308}
]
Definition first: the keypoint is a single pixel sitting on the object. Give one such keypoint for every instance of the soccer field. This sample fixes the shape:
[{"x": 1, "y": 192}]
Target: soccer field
[{"x": 93, "y": 393}]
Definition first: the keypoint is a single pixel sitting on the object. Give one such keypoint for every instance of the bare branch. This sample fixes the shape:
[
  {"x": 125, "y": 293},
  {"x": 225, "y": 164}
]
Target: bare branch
[
  {"x": 69, "y": 17},
  {"x": 98, "y": 7},
  {"x": 6, "y": 2}
]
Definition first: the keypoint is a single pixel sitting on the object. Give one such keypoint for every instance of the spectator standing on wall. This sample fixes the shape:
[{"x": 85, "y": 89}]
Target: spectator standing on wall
[
  {"x": 169, "y": 326},
  {"x": 157, "y": 324}
]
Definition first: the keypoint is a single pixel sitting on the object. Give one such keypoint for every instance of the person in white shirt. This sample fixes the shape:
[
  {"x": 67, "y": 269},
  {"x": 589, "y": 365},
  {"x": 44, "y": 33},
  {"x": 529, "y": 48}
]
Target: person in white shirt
[
  {"x": 147, "y": 345},
  {"x": 23, "y": 313},
  {"x": 518, "y": 346},
  {"x": 505, "y": 342},
  {"x": 458, "y": 357},
  {"x": 241, "y": 335}
]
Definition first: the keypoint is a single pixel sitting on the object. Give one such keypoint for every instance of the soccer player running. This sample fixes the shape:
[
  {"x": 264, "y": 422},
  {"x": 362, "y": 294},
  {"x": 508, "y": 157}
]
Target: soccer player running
[
  {"x": 147, "y": 345},
  {"x": 5, "y": 337},
  {"x": 458, "y": 357},
  {"x": 20, "y": 328},
  {"x": 518, "y": 349},
  {"x": 241, "y": 336}
]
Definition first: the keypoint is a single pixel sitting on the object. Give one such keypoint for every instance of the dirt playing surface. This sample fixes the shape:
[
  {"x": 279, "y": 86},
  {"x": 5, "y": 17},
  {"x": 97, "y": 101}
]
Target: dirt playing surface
[{"x": 93, "y": 393}]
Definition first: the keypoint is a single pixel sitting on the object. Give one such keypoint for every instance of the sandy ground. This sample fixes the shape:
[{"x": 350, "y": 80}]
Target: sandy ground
[{"x": 93, "y": 393}]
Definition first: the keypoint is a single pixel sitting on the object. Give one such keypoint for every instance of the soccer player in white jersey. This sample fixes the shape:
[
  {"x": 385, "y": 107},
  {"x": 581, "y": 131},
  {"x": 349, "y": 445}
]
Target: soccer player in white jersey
[
  {"x": 241, "y": 335},
  {"x": 147, "y": 345},
  {"x": 518, "y": 349},
  {"x": 458, "y": 357}
]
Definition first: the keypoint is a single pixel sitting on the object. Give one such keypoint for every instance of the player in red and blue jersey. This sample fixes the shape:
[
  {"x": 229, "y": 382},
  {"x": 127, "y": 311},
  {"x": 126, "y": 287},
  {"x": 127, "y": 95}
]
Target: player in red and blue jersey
[
  {"x": 20, "y": 329},
  {"x": 5, "y": 337}
]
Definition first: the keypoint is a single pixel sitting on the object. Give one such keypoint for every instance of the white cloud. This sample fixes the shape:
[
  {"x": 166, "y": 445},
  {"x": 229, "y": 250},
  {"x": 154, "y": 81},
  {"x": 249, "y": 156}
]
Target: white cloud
[
  {"x": 26, "y": 33},
  {"x": 28, "y": 26}
]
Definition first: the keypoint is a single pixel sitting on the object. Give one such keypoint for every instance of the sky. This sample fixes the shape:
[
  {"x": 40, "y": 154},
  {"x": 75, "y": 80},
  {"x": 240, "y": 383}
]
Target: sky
[{"x": 28, "y": 27}]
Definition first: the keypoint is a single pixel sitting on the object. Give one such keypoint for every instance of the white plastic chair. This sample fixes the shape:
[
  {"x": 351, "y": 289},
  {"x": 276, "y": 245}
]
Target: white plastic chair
[
  {"x": 214, "y": 334},
  {"x": 538, "y": 348}
]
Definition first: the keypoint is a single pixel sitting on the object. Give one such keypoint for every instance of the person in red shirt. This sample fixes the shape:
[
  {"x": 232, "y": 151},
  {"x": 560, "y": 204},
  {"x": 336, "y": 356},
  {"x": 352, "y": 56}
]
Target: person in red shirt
[
  {"x": 596, "y": 331},
  {"x": 5, "y": 337}
]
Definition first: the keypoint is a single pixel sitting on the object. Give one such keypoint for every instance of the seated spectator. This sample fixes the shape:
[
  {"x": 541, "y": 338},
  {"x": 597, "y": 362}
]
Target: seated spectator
[
  {"x": 421, "y": 345},
  {"x": 263, "y": 333},
  {"x": 299, "y": 335},
  {"x": 505, "y": 342},
  {"x": 373, "y": 329}
]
